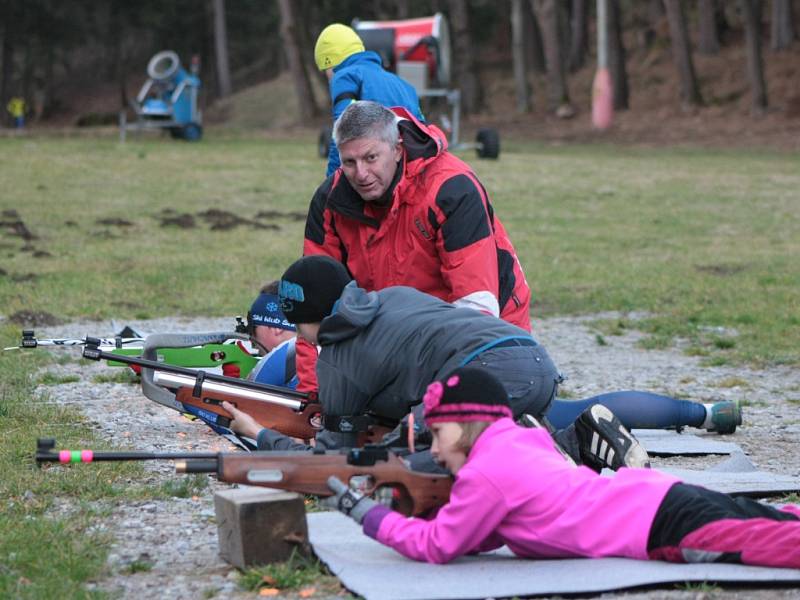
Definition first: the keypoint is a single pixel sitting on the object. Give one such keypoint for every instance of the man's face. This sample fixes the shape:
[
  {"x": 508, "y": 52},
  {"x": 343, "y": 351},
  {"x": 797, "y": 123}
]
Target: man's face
[{"x": 369, "y": 166}]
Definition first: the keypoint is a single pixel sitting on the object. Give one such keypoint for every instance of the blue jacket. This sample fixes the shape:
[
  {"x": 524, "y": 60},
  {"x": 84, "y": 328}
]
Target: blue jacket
[
  {"x": 361, "y": 76},
  {"x": 277, "y": 367}
]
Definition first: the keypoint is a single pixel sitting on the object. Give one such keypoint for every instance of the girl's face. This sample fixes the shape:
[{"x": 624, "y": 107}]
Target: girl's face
[{"x": 446, "y": 448}]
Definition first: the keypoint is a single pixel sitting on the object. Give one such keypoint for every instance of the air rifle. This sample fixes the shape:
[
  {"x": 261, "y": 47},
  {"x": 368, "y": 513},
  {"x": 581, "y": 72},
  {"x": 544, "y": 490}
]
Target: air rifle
[
  {"x": 375, "y": 467},
  {"x": 198, "y": 350},
  {"x": 292, "y": 413}
]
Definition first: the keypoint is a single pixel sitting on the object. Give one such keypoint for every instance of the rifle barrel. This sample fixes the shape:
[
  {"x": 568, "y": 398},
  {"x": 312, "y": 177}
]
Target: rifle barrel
[
  {"x": 91, "y": 351},
  {"x": 175, "y": 380},
  {"x": 76, "y": 456}
]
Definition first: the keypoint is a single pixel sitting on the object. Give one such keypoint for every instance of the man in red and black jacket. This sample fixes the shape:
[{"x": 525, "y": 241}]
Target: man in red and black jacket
[{"x": 402, "y": 210}]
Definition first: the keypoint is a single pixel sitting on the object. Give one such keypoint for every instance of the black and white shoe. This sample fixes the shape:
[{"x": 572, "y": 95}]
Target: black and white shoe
[{"x": 605, "y": 443}]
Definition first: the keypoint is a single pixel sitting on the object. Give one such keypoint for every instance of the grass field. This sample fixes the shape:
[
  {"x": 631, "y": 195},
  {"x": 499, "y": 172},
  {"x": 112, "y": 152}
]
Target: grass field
[{"x": 705, "y": 244}]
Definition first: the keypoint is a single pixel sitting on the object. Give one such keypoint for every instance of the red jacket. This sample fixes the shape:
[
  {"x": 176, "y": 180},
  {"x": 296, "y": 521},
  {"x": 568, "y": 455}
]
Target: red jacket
[{"x": 440, "y": 234}]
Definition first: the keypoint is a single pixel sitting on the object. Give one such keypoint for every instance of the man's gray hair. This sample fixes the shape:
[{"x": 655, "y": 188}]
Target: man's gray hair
[{"x": 366, "y": 119}]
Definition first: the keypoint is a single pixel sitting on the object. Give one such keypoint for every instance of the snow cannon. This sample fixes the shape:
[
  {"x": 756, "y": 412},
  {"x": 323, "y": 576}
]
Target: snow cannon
[
  {"x": 168, "y": 99},
  {"x": 418, "y": 50}
]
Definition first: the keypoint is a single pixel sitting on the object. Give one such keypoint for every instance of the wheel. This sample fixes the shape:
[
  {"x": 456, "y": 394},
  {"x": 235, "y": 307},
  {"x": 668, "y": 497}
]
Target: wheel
[
  {"x": 488, "y": 143},
  {"x": 324, "y": 143},
  {"x": 192, "y": 132}
]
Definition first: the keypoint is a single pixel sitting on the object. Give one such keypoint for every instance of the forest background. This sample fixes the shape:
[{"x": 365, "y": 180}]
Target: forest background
[{"x": 708, "y": 71}]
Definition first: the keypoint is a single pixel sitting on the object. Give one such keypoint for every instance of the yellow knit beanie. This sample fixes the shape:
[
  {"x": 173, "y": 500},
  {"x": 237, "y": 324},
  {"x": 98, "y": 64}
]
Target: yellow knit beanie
[{"x": 334, "y": 44}]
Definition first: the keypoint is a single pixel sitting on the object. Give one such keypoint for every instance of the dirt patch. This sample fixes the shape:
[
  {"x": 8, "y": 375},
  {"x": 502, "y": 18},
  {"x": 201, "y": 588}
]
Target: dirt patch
[
  {"x": 16, "y": 226},
  {"x": 182, "y": 220},
  {"x": 32, "y": 318},
  {"x": 41, "y": 254},
  {"x": 223, "y": 220},
  {"x": 276, "y": 214},
  {"x": 23, "y": 277},
  {"x": 115, "y": 221},
  {"x": 721, "y": 270}
]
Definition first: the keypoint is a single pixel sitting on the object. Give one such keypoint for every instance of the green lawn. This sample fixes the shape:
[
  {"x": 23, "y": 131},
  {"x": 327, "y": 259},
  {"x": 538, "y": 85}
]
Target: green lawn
[{"x": 705, "y": 243}]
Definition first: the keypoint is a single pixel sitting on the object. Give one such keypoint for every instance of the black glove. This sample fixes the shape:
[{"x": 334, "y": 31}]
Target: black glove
[{"x": 350, "y": 502}]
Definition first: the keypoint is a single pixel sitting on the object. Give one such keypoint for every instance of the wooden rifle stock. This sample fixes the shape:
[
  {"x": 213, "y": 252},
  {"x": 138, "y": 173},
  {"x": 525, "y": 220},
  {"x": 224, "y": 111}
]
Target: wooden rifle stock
[
  {"x": 414, "y": 493},
  {"x": 301, "y": 423}
]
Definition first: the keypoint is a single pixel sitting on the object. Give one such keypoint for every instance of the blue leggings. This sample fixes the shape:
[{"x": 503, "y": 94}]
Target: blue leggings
[{"x": 636, "y": 410}]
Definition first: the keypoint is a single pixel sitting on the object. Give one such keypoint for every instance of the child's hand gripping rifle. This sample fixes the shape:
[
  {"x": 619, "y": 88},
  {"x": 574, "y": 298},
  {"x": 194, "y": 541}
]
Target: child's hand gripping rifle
[
  {"x": 292, "y": 413},
  {"x": 303, "y": 472}
]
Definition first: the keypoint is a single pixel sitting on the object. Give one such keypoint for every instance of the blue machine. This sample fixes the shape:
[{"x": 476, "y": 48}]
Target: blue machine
[{"x": 168, "y": 99}]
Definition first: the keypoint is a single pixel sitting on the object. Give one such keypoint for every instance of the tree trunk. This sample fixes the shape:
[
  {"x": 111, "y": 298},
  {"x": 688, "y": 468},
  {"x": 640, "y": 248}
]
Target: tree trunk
[
  {"x": 579, "y": 35},
  {"x": 523, "y": 90},
  {"x": 533, "y": 43},
  {"x": 8, "y": 69},
  {"x": 682, "y": 53},
  {"x": 302, "y": 85},
  {"x": 307, "y": 42},
  {"x": 782, "y": 27},
  {"x": 221, "y": 50},
  {"x": 708, "y": 32},
  {"x": 751, "y": 14},
  {"x": 465, "y": 69},
  {"x": 557, "y": 93},
  {"x": 617, "y": 56}
]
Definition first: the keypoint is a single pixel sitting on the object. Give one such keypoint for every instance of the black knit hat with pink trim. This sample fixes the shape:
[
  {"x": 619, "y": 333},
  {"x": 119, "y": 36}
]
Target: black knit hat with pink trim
[{"x": 467, "y": 394}]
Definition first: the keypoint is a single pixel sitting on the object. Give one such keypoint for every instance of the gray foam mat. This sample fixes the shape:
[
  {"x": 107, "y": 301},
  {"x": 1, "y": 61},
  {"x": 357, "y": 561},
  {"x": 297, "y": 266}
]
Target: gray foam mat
[
  {"x": 659, "y": 442},
  {"x": 374, "y": 571}
]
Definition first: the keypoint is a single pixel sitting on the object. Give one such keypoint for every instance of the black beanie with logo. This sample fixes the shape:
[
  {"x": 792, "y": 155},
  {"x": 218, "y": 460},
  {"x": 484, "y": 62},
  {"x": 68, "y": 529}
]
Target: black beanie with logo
[{"x": 310, "y": 287}]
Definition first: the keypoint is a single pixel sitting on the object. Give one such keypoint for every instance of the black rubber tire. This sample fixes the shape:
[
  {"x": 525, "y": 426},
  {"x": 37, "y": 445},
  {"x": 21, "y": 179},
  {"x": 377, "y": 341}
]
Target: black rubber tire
[
  {"x": 324, "y": 142},
  {"x": 193, "y": 132},
  {"x": 488, "y": 143}
]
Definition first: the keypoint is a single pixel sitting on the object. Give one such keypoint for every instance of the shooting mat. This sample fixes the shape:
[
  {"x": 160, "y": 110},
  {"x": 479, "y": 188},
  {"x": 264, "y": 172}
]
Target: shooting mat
[
  {"x": 660, "y": 442},
  {"x": 376, "y": 572}
]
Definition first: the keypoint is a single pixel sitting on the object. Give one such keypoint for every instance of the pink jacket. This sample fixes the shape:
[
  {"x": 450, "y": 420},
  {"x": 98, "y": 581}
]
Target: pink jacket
[{"x": 517, "y": 489}]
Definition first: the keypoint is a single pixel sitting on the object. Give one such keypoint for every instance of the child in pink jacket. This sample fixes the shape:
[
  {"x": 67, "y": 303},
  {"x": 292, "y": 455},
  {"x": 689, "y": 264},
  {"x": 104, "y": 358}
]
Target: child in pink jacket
[{"x": 513, "y": 487}]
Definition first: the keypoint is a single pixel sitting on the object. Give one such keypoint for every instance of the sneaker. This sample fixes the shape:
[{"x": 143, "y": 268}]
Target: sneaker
[
  {"x": 605, "y": 443},
  {"x": 723, "y": 417}
]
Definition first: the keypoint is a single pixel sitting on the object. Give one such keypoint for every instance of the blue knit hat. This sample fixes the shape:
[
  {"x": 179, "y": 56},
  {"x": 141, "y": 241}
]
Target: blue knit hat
[{"x": 266, "y": 312}]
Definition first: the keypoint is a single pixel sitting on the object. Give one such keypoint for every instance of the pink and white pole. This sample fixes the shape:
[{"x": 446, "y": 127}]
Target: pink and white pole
[{"x": 602, "y": 90}]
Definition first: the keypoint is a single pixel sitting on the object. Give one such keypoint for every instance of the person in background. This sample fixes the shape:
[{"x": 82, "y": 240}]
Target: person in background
[{"x": 357, "y": 74}]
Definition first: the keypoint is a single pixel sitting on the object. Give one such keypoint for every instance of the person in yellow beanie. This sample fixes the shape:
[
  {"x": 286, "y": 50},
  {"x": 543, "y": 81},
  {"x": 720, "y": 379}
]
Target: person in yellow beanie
[{"x": 358, "y": 74}]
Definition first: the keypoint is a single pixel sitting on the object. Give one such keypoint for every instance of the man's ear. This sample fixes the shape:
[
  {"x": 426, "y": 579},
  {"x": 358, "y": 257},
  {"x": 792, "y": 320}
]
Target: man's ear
[{"x": 398, "y": 150}]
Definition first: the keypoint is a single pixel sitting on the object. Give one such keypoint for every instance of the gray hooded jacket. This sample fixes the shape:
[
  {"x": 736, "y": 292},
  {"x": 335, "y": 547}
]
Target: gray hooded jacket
[{"x": 380, "y": 350}]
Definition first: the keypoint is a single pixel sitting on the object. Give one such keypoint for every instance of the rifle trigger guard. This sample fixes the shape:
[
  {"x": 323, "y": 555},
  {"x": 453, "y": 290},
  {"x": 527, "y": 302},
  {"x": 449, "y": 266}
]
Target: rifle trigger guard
[{"x": 197, "y": 391}]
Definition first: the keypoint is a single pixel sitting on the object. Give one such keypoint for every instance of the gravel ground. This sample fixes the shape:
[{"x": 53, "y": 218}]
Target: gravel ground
[{"x": 178, "y": 537}]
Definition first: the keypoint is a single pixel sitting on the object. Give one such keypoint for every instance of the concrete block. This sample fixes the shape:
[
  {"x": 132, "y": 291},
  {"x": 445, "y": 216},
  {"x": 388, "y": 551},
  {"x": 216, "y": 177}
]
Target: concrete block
[{"x": 258, "y": 526}]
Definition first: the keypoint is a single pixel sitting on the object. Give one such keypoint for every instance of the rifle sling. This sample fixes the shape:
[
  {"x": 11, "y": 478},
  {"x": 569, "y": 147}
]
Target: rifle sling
[{"x": 197, "y": 391}]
